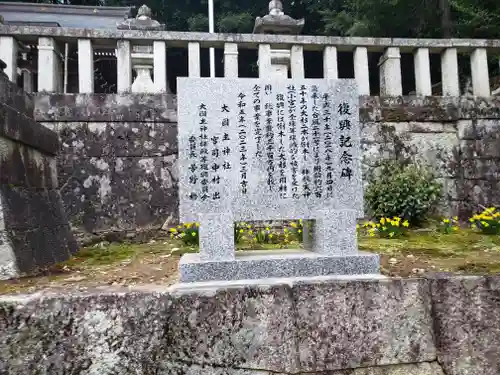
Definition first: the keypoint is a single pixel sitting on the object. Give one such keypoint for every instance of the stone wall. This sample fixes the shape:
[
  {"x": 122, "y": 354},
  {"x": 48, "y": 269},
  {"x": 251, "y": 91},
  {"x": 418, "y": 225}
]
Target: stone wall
[
  {"x": 117, "y": 173},
  {"x": 34, "y": 230},
  {"x": 434, "y": 326}
]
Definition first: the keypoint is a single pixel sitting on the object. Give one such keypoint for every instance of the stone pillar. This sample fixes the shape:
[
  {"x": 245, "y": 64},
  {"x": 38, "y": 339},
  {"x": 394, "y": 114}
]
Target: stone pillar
[
  {"x": 330, "y": 64},
  {"x": 479, "y": 71},
  {"x": 142, "y": 63},
  {"x": 297, "y": 62},
  {"x": 277, "y": 22},
  {"x": 27, "y": 72},
  {"x": 8, "y": 53},
  {"x": 85, "y": 66},
  {"x": 280, "y": 61},
  {"x": 390, "y": 73},
  {"x": 124, "y": 66},
  {"x": 361, "y": 71},
  {"x": 449, "y": 72},
  {"x": 194, "y": 59},
  {"x": 264, "y": 60},
  {"x": 230, "y": 60},
  {"x": 423, "y": 84},
  {"x": 160, "y": 66},
  {"x": 143, "y": 59},
  {"x": 49, "y": 66}
]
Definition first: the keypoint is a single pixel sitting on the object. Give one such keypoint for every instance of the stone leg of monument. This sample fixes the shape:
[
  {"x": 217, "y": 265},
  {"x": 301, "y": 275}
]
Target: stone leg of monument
[
  {"x": 216, "y": 237},
  {"x": 335, "y": 233}
]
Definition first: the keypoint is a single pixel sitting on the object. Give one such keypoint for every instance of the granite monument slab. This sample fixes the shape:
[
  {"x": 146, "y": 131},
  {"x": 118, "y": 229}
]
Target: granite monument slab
[{"x": 255, "y": 149}]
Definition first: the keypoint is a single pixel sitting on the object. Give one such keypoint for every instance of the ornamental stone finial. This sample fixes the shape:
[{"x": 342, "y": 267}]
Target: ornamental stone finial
[
  {"x": 144, "y": 13},
  {"x": 276, "y": 8},
  {"x": 142, "y": 21},
  {"x": 277, "y": 22}
]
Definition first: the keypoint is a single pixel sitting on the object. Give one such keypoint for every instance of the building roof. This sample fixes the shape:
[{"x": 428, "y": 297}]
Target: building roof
[{"x": 77, "y": 16}]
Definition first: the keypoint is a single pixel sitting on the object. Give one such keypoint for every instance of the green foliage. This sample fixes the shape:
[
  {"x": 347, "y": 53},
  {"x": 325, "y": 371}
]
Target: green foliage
[
  {"x": 187, "y": 233},
  {"x": 236, "y": 23},
  {"x": 387, "y": 227},
  {"x": 407, "y": 191},
  {"x": 488, "y": 221},
  {"x": 449, "y": 226}
]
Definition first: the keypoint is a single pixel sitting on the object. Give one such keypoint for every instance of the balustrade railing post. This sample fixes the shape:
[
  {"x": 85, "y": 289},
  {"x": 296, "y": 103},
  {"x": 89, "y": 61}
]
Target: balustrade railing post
[
  {"x": 160, "y": 65},
  {"x": 423, "y": 84},
  {"x": 297, "y": 62},
  {"x": 49, "y": 65},
  {"x": 85, "y": 66},
  {"x": 361, "y": 71},
  {"x": 123, "y": 66},
  {"x": 231, "y": 60},
  {"x": 449, "y": 72},
  {"x": 264, "y": 60},
  {"x": 194, "y": 59},
  {"x": 330, "y": 64},
  {"x": 479, "y": 71},
  {"x": 390, "y": 73},
  {"x": 8, "y": 53}
]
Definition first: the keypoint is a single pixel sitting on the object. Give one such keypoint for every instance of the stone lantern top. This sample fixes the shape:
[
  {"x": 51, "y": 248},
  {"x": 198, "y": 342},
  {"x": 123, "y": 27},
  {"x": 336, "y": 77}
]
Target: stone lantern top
[
  {"x": 277, "y": 22},
  {"x": 142, "y": 21}
]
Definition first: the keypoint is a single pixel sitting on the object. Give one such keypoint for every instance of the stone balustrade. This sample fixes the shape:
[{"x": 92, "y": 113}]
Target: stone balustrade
[{"x": 145, "y": 52}]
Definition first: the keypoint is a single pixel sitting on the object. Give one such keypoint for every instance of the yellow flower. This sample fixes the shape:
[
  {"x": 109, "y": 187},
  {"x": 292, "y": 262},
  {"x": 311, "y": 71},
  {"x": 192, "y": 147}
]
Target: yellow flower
[
  {"x": 382, "y": 221},
  {"x": 486, "y": 225},
  {"x": 250, "y": 232},
  {"x": 378, "y": 225},
  {"x": 285, "y": 230},
  {"x": 406, "y": 224},
  {"x": 179, "y": 227},
  {"x": 267, "y": 228},
  {"x": 372, "y": 234},
  {"x": 197, "y": 225},
  {"x": 446, "y": 221},
  {"x": 455, "y": 218},
  {"x": 300, "y": 231},
  {"x": 173, "y": 230},
  {"x": 270, "y": 235},
  {"x": 455, "y": 228},
  {"x": 193, "y": 234},
  {"x": 300, "y": 221},
  {"x": 391, "y": 234},
  {"x": 293, "y": 224},
  {"x": 395, "y": 223},
  {"x": 241, "y": 230},
  {"x": 357, "y": 226},
  {"x": 187, "y": 225},
  {"x": 472, "y": 219}
]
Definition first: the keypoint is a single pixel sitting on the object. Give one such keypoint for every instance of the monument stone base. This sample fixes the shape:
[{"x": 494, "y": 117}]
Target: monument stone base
[{"x": 263, "y": 264}]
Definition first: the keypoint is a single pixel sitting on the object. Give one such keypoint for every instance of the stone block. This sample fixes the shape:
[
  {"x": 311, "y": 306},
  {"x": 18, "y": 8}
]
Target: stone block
[
  {"x": 353, "y": 324},
  {"x": 287, "y": 263},
  {"x": 467, "y": 324},
  {"x": 13, "y": 96},
  {"x": 237, "y": 327},
  {"x": 25, "y": 166},
  {"x": 105, "y": 107},
  {"x": 21, "y": 128},
  {"x": 94, "y": 334},
  {"x": 115, "y": 193},
  {"x": 31, "y": 208},
  {"x": 119, "y": 139}
]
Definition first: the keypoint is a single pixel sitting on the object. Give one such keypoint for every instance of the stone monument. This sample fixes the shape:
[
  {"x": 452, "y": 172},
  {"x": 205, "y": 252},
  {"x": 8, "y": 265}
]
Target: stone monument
[{"x": 257, "y": 149}]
